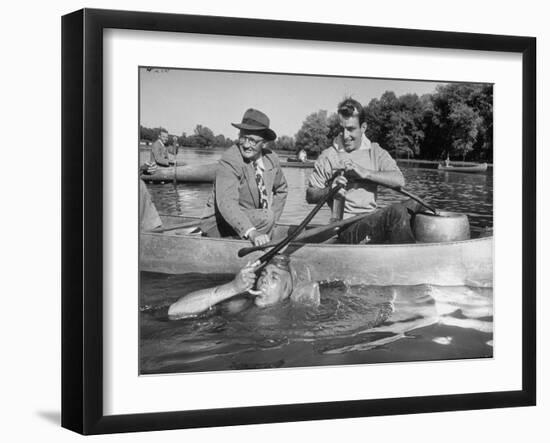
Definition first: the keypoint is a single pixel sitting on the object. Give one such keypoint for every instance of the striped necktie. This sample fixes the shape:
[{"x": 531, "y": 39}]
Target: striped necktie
[{"x": 259, "y": 174}]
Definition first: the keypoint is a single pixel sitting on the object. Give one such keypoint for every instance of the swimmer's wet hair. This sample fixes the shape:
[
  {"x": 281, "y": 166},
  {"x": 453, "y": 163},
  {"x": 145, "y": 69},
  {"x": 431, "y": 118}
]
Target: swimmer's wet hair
[{"x": 282, "y": 261}]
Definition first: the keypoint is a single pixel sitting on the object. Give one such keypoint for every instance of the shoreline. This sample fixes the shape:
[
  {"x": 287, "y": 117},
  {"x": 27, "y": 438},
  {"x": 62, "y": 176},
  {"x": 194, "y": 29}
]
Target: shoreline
[{"x": 286, "y": 154}]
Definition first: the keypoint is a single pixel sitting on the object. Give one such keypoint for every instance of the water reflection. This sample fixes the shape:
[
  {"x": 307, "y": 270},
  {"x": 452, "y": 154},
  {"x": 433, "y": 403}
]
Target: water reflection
[{"x": 356, "y": 322}]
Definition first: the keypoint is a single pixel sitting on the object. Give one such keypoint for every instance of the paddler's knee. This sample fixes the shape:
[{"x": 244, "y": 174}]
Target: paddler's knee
[{"x": 398, "y": 213}]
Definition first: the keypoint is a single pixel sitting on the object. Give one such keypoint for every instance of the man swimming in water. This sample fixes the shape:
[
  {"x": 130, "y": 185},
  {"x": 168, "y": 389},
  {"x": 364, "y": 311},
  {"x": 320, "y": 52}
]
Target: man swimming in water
[{"x": 274, "y": 285}]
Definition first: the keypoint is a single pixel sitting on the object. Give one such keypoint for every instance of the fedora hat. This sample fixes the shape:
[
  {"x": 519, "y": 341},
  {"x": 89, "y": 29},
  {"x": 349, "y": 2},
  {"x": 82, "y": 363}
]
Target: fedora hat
[{"x": 254, "y": 120}]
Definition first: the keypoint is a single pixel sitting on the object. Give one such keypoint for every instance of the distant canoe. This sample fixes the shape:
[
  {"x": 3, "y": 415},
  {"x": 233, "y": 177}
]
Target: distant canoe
[
  {"x": 293, "y": 163},
  {"x": 472, "y": 169},
  {"x": 185, "y": 173}
]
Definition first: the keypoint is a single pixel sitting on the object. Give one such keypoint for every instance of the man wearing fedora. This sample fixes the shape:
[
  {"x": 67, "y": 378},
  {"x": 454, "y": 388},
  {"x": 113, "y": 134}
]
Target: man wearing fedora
[{"x": 250, "y": 189}]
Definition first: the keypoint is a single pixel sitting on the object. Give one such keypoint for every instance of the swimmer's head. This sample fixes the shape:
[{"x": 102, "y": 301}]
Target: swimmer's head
[{"x": 275, "y": 282}]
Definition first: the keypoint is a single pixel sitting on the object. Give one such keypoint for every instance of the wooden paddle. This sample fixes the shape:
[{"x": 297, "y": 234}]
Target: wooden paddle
[
  {"x": 308, "y": 234},
  {"x": 176, "y": 170},
  {"x": 264, "y": 259},
  {"x": 404, "y": 192},
  {"x": 411, "y": 195}
]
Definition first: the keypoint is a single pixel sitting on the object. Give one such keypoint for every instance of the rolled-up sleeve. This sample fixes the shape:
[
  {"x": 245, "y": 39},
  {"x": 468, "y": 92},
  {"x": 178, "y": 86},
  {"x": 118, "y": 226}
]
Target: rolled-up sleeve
[
  {"x": 386, "y": 161},
  {"x": 321, "y": 174}
]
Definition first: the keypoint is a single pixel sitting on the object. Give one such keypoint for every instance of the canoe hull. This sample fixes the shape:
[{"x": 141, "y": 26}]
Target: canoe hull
[
  {"x": 461, "y": 263},
  {"x": 474, "y": 169},
  {"x": 297, "y": 164},
  {"x": 185, "y": 173}
]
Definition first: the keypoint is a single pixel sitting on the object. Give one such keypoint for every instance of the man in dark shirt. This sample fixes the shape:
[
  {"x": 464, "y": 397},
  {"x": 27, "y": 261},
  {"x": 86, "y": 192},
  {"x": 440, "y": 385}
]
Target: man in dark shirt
[{"x": 159, "y": 152}]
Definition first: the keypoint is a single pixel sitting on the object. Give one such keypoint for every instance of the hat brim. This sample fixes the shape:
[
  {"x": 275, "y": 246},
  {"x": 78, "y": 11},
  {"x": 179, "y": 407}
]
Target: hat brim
[{"x": 269, "y": 134}]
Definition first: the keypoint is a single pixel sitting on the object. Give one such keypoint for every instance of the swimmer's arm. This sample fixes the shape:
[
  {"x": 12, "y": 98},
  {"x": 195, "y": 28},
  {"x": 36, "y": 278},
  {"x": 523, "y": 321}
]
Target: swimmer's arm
[{"x": 202, "y": 300}]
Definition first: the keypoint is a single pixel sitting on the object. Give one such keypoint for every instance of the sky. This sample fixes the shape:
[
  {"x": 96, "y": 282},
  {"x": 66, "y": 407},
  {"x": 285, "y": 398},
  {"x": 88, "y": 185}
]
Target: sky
[{"x": 179, "y": 99}]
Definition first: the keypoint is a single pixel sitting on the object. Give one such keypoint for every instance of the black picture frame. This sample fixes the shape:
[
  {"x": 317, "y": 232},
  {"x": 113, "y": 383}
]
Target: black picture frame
[{"x": 82, "y": 216}]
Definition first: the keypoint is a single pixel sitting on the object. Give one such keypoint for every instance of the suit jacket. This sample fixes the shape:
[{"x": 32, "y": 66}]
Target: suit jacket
[
  {"x": 159, "y": 154},
  {"x": 235, "y": 189}
]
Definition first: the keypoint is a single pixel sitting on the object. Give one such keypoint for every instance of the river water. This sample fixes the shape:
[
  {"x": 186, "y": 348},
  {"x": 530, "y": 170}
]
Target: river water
[{"x": 352, "y": 325}]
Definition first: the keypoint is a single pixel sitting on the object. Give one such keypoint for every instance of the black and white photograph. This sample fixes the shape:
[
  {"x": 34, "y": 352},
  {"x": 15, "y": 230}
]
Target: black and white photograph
[
  {"x": 275, "y": 222},
  {"x": 290, "y": 221}
]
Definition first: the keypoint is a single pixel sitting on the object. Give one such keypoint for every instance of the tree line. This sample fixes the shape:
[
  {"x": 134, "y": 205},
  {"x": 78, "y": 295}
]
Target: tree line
[
  {"x": 456, "y": 120},
  {"x": 202, "y": 137}
]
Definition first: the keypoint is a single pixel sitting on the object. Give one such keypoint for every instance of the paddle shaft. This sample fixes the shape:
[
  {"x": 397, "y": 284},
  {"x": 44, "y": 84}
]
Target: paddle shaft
[
  {"x": 306, "y": 235},
  {"x": 414, "y": 197},
  {"x": 176, "y": 169},
  {"x": 264, "y": 259},
  {"x": 404, "y": 192}
]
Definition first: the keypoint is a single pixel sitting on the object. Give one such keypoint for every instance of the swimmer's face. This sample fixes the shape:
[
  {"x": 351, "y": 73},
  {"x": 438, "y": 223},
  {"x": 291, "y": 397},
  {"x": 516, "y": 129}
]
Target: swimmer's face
[{"x": 274, "y": 284}]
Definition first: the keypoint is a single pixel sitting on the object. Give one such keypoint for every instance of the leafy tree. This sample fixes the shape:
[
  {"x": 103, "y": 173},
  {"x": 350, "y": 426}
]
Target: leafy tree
[
  {"x": 284, "y": 143},
  {"x": 203, "y": 137},
  {"x": 464, "y": 128},
  {"x": 334, "y": 127},
  {"x": 149, "y": 134},
  {"x": 146, "y": 133},
  {"x": 378, "y": 116},
  {"x": 220, "y": 141},
  {"x": 313, "y": 135},
  {"x": 396, "y": 123},
  {"x": 482, "y": 101},
  {"x": 459, "y": 122},
  {"x": 182, "y": 139}
]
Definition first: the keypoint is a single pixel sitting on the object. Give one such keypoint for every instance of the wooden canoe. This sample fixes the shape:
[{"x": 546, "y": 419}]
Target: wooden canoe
[
  {"x": 461, "y": 263},
  {"x": 185, "y": 173},
  {"x": 472, "y": 169},
  {"x": 293, "y": 163}
]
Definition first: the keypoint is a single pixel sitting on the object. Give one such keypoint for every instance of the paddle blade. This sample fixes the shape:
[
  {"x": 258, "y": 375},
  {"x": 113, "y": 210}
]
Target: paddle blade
[{"x": 249, "y": 250}]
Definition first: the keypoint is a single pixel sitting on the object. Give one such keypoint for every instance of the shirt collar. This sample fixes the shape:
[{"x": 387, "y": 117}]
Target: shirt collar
[
  {"x": 260, "y": 163},
  {"x": 365, "y": 143}
]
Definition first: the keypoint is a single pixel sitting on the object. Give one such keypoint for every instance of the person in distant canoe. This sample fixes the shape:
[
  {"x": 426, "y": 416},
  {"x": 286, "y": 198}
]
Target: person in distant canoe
[
  {"x": 250, "y": 189},
  {"x": 174, "y": 147},
  {"x": 159, "y": 152},
  {"x": 302, "y": 156},
  {"x": 360, "y": 160},
  {"x": 277, "y": 282}
]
